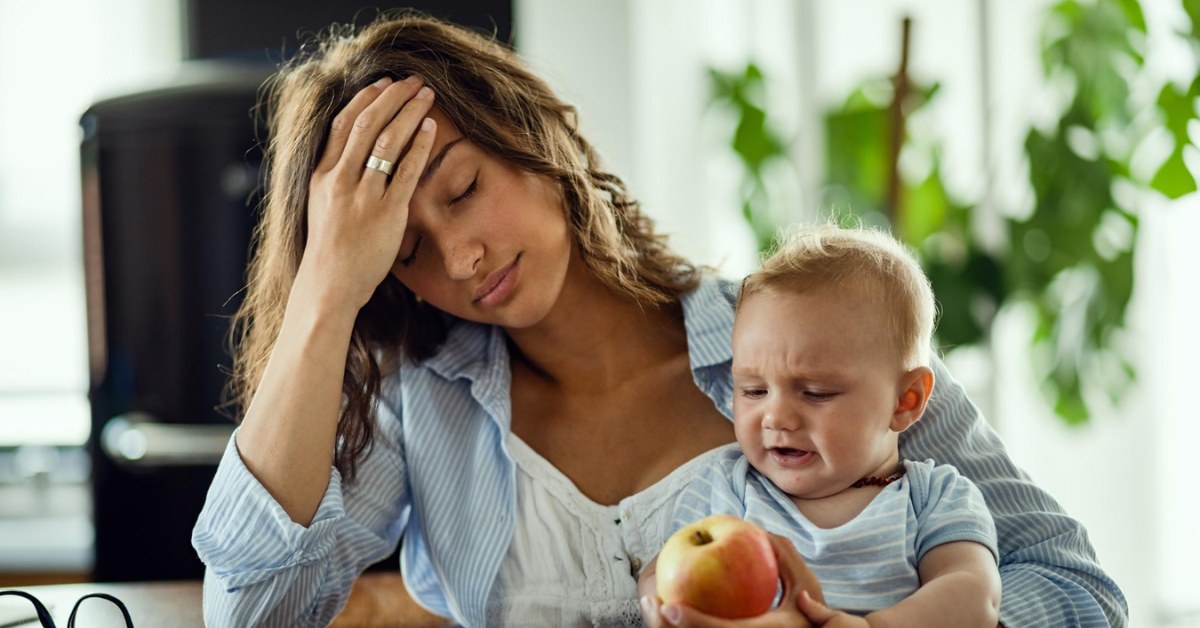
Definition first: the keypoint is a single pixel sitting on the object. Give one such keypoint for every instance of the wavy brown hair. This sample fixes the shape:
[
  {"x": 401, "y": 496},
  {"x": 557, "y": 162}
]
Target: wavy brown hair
[{"x": 496, "y": 103}]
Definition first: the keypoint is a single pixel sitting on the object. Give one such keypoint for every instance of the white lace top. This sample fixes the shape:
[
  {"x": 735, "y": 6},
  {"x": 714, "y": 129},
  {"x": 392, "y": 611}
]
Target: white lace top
[{"x": 574, "y": 562}]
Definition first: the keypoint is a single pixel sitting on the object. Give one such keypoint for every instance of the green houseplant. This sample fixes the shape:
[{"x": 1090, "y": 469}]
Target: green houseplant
[{"x": 1070, "y": 259}]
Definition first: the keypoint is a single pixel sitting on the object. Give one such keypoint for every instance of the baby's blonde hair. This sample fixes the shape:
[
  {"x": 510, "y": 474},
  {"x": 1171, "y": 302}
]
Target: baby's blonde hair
[{"x": 814, "y": 257}]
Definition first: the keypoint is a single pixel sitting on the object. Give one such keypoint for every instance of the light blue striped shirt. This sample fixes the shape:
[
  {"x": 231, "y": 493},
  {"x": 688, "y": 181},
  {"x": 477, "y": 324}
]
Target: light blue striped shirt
[
  {"x": 869, "y": 562},
  {"x": 439, "y": 474}
]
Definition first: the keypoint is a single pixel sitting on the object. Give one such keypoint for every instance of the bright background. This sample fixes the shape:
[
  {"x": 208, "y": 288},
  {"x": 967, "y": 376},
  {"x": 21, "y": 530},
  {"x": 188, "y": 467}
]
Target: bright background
[{"x": 636, "y": 70}]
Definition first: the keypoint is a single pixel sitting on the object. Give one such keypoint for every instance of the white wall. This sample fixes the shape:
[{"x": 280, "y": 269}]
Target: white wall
[
  {"x": 636, "y": 72},
  {"x": 56, "y": 59}
]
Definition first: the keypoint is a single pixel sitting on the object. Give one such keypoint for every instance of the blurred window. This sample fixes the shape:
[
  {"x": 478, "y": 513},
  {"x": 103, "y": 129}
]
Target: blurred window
[{"x": 56, "y": 59}]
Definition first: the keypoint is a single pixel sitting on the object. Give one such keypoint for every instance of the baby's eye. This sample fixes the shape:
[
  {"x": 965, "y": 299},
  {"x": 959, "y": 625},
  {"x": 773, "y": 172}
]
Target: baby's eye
[
  {"x": 754, "y": 393},
  {"x": 819, "y": 395}
]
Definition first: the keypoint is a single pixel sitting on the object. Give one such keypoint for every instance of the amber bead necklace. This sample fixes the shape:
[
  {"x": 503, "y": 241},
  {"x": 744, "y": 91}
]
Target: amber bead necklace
[{"x": 874, "y": 480}]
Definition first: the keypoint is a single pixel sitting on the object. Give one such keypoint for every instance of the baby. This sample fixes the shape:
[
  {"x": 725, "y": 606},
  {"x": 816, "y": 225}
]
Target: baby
[{"x": 830, "y": 363}]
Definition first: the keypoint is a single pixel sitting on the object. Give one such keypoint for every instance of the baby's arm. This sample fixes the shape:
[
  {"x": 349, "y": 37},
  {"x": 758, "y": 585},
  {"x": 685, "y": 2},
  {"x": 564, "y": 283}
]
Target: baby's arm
[{"x": 960, "y": 587}]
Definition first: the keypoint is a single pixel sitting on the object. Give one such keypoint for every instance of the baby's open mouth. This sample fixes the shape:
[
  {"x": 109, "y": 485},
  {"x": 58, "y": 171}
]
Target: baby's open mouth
[{"x": 789, "y": 457}]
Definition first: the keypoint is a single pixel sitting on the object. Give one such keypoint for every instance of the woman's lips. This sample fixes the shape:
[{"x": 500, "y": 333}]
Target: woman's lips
[
  {"x": 498, "y": 286},
  {"x": 786, "y": 457}
]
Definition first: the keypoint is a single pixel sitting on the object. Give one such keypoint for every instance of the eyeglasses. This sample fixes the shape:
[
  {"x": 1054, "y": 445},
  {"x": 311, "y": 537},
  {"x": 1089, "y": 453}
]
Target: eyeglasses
[{"x": 43, "y": 614}]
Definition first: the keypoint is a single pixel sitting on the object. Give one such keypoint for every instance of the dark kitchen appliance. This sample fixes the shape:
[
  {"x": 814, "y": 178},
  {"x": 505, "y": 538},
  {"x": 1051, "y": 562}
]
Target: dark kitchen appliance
[{"x": 168, "y": 180}]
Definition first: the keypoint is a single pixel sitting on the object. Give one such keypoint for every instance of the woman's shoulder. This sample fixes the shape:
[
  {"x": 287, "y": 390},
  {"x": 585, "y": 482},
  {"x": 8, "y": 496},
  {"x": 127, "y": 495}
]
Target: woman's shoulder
[
  {"x": 714, "y": 289},
  {"x": 708, "y": 309}
]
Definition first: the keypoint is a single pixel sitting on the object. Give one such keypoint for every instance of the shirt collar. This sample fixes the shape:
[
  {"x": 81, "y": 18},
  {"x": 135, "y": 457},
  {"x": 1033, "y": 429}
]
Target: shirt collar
[
  {"x": 707, "y": 316},
  {"x": 468, "y": 348}
]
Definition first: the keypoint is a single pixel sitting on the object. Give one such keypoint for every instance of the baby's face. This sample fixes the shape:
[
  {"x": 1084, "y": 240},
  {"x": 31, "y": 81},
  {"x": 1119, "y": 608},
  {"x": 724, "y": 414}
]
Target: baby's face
[{"x": 816, "y": 385}]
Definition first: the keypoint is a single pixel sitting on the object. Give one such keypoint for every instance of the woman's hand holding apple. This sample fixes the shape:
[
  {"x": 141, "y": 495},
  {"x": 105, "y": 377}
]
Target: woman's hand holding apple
[
  {"x": 793, "y": 572},
  {"x": 721, "y": 565}
]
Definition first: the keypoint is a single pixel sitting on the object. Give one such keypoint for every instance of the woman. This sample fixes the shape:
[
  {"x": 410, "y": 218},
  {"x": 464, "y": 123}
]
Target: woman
[{"x": 460, "y": 329}]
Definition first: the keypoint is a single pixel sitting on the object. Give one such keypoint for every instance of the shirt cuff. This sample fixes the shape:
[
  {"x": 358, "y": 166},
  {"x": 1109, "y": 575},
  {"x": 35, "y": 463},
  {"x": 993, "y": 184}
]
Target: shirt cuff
[{"x": 244, "y": 536}]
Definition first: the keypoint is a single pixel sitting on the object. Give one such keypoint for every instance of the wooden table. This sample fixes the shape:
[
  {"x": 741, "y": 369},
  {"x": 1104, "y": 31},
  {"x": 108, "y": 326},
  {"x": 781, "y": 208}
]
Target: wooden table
[{"x": 378, "y": 599}]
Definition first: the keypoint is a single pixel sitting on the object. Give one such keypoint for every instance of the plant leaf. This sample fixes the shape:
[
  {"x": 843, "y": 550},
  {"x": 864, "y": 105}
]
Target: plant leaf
[
  {"x": 1173, "y": 178},
  {"x": 1192, "y": 8}
]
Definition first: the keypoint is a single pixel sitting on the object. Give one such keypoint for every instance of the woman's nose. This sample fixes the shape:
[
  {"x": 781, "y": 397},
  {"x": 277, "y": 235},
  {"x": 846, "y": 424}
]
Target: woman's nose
[{"x": 462, "y": 258}]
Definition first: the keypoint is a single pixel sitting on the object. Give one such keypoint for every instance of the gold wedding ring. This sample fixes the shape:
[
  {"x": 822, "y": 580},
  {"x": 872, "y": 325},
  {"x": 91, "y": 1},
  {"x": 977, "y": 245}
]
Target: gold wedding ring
[{"x": 381, "y": 165}]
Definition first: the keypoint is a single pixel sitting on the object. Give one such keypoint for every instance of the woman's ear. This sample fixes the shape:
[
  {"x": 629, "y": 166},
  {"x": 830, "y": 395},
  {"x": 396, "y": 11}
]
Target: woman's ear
[{"x": 914, "y": 390}]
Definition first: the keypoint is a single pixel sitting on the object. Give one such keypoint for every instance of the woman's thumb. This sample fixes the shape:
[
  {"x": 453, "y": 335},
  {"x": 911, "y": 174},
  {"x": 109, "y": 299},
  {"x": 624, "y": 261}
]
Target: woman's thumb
[{"x": 816, "y": 612}]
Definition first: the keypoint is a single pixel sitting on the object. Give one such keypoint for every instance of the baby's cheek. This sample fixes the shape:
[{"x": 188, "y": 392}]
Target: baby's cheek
[{"x": 745, "y": 429}]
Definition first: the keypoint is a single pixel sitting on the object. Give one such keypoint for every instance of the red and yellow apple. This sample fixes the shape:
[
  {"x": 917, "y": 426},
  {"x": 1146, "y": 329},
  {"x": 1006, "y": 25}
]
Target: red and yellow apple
[{"x": 720, "y": 565}]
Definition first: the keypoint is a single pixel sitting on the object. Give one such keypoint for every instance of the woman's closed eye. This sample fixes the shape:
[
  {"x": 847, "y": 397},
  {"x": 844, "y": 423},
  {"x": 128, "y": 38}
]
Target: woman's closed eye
[
  {"x": 468, "y": 193},
  {"x": 412, "y": 257}
]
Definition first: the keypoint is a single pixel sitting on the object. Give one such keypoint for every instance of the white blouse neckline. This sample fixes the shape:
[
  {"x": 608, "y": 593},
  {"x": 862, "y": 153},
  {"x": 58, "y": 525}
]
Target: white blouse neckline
[{"x": 573, "y": 561}]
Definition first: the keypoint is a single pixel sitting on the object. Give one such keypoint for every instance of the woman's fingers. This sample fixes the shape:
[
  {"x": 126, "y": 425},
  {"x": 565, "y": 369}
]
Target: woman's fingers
[
  {"x": 408, "y": 171},
  {"x": 793, "y": 571},
  {"x": 687, "y": 617},
  {"x": 354, "y": 227},
  {"x": 797, "y": 579},
  {"x": 814, "y": 610},
  {"x": 370, "y": 122},
  {"x": 339, "y": 129},
  {"x": 683, "y": 616},
  {"x": 650, "y": 613},
  {"x": 389, "y": 145}
]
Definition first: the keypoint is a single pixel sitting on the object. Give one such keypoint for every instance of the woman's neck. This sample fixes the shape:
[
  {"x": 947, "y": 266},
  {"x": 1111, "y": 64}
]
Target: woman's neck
[{"x": 595, "y": 339}]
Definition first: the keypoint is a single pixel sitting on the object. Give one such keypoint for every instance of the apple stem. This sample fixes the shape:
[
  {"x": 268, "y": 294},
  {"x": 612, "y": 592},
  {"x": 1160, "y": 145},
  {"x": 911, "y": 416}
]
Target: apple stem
[{"x": 700, "y": 537}]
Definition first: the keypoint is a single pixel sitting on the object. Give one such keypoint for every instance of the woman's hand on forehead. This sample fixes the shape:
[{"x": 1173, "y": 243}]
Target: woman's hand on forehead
[{"x": 359, "y": 194}]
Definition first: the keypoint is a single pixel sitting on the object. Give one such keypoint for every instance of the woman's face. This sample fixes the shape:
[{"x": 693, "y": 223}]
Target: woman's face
[{"x": 484, "y": 242}]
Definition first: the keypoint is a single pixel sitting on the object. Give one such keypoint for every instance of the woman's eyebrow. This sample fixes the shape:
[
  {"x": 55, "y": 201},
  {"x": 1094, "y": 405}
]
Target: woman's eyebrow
[{"x": 436, "y": 162}]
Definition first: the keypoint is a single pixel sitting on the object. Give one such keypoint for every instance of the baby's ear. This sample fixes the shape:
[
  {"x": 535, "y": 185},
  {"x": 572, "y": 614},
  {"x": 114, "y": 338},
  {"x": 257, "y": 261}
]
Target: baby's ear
[{"x": 914, "y": 390}]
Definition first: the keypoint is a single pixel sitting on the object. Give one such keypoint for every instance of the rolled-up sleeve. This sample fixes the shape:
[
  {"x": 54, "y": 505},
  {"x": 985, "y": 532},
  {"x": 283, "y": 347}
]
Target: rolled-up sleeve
[
  {"x": 1048, "y": 568},
  {"x": 263, "y": 569}
]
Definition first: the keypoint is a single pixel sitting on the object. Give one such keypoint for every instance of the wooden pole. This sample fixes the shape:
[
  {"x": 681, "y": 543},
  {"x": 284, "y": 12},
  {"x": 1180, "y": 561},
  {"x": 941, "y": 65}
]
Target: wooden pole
[{"x": 893, "y": 202}]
